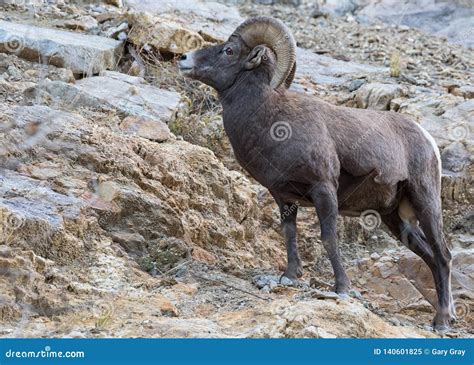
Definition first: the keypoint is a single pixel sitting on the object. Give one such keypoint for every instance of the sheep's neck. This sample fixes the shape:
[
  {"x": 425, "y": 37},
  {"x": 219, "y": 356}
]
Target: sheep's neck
[
  {"x": 246, "y": 113},
  {"x": 243, "y": 104}
]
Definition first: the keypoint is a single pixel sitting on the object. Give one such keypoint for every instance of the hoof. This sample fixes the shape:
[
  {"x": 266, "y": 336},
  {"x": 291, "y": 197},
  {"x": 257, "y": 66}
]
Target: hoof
[
  {"x": 342, "y": 289},
  {"x": 286, "y": 281},
  {"x": 443, "y": 322},
  {"x": 293, "y": 273},
  {"x": 344, "y": 296}
]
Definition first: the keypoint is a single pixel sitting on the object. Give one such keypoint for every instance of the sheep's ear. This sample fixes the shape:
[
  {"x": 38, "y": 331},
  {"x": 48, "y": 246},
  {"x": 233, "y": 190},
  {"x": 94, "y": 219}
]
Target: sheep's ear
[{"x": 255, "y": 57}]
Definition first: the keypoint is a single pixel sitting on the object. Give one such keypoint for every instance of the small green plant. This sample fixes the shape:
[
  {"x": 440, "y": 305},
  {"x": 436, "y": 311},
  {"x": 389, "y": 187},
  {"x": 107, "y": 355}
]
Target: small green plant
[{"x": 105, "y": 318}]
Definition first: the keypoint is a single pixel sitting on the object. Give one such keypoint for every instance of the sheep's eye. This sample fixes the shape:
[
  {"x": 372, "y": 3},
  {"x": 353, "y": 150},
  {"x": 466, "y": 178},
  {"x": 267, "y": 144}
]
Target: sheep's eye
[{"x": 228, "y": 51}]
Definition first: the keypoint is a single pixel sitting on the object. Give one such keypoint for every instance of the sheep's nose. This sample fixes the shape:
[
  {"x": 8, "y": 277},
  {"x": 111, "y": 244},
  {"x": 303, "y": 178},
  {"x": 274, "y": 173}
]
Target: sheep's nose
[{"x": 183, "y": 57}]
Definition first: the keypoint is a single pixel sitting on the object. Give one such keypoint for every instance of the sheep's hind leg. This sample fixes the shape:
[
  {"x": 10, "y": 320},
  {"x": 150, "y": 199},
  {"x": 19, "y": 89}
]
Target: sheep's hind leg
[
  {"x": 428, "y": 212},
  {"x": 288, "y": 213},
  {"x": 324, "y": 196},
  {"x": 411, "y": 236}
]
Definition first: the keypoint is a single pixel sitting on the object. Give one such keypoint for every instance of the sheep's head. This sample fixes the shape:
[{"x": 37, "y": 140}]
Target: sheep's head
[{"x": 260, "y": 43}]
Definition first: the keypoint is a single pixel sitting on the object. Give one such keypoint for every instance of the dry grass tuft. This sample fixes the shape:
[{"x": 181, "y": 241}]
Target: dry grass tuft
[
  {"x": 198, "y": 119},
  {"x": 395, "y": 64}
]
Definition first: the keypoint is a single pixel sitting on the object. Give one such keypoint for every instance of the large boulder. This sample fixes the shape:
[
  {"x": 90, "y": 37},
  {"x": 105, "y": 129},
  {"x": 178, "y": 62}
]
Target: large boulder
[
  {"x": 165, "y": 35},
  {"x": 110, "y": 90},
  {"x": 399, "y": 282},
  {"x": 213, "y": 21},
  {"x": 377, "y": 95},
  {"x": 166, "y": 195},
  {"x": 320, "y": 69},
  {"x": 81, "y": 53},
  {"x": 452, "y": 19}
]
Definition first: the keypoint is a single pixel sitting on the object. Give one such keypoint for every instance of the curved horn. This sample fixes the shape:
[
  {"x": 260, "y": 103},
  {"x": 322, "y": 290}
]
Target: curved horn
[
  {"x": 291, "y": 76},
  {"x": 273, "y": 33}
]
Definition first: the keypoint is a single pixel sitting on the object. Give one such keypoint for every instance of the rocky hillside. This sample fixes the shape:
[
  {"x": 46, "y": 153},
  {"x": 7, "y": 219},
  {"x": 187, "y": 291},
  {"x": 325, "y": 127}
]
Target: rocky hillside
[{"x": 123, "y": 212}]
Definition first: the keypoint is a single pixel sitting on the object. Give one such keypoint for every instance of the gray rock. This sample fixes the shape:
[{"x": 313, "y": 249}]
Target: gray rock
[
  {"x": 445, "y": 122},
  {"x": 286, "y": 281},
  {"x": 211, "y": 19},
  {"x": 353, "y": 293},
  {"x": 37, "y": 211},
  {"x": 113, "y": 32},
  {"x": 467, "y": 91},
  {"x": 321, "y": 69},
  {"x": 279, "y": 2},
  {"x": 85, "y": 22},
  {"x": 38, "y": 123},
  {"x": 112, "y": 90},
  {"x": 320, "y": 294},
  {"x": 122, "y": 36},
  {"x": 443, "y": 18},
  {"x": 460, "y": 122},
  {"x": 14, "y": 73},
  {"x": 81, "y": 53},
  {"x": 151, "y": 129},
  {"x": 375, "y": 256},
  {"x": 377, "y": 95},
  {"x": 356, "y": 84},
  {"x": 162, "y": 34},
  {"x": 262, "y": 281},
  {"x": 455, "y": 157},
  {"x": 339, "y": 7}
]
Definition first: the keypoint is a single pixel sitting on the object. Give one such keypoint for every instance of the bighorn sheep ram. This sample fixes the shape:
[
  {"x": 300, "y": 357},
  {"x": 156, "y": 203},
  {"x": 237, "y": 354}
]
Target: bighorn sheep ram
[{"x": 337, "y": 159}]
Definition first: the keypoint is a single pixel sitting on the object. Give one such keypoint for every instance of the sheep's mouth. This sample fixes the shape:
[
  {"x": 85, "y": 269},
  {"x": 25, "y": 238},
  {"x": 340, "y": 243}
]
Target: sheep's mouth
[
  {"x": 185, "y": 67},
  {"x": 186, "y": 70}
]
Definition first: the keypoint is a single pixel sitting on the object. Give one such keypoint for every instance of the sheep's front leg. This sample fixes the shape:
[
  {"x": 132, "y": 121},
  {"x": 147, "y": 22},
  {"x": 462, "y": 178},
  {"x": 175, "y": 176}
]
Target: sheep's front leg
[
  {"x": 324, "y": 196},
  {"x": 288, "y": 212}
]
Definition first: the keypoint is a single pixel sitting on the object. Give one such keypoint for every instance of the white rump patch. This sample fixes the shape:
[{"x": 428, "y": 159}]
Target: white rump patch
[{"x": 432, "y": 141}]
